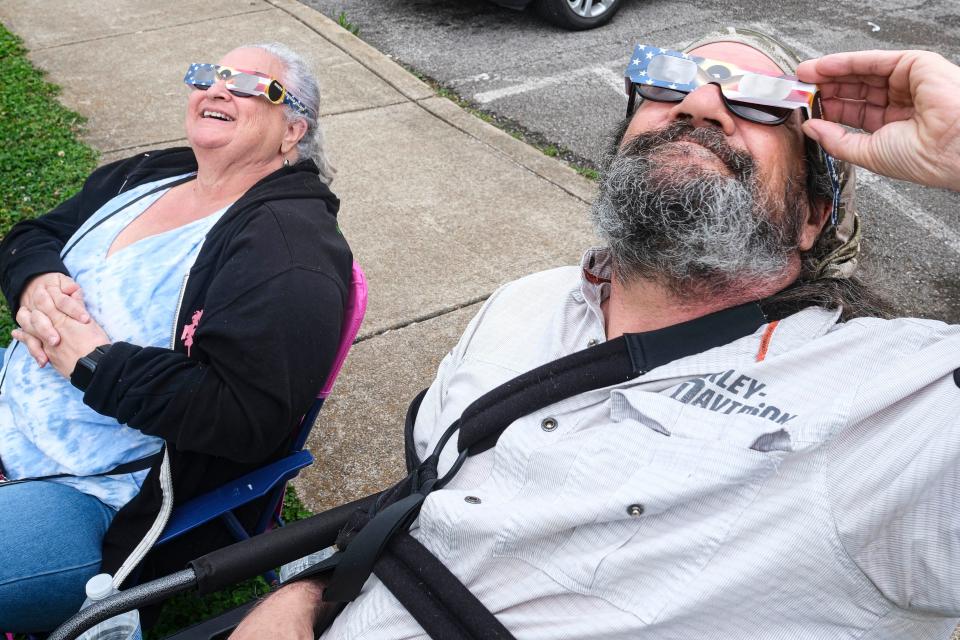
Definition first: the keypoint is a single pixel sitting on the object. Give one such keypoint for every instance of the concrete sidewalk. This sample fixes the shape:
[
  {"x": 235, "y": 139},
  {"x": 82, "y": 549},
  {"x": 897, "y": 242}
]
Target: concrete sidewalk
[{"x": 439, "y": 207}]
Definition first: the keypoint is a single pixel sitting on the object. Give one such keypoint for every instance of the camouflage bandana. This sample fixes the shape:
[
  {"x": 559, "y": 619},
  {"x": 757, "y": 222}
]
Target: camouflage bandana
[{"x": 842, "y": 232}]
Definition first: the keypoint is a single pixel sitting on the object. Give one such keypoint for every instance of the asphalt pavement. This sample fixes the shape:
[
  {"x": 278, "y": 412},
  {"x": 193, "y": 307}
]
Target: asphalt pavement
[{"x": 567, "y": 88}]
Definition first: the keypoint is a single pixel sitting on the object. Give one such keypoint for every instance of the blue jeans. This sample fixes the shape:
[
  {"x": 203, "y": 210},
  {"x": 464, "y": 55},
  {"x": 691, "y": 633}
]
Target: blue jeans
[{"x": 50, "y": 537}]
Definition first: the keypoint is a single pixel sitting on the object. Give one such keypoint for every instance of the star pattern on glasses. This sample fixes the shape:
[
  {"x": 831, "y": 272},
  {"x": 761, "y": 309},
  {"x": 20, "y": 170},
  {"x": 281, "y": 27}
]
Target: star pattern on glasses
[
  {"x": 262, "y": 85},
  {"x": 192, "y": 73}
]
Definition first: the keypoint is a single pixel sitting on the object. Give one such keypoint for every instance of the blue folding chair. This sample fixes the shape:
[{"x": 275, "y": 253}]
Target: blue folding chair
[{"x": 271, "y": 479}]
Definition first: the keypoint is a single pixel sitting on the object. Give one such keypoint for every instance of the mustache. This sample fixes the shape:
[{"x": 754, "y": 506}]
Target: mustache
[{"x": 739, "y": 163}]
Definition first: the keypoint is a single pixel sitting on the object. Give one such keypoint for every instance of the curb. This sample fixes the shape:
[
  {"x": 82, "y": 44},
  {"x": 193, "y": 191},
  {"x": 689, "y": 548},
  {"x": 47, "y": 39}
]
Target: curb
[{"x": 553, "y": 171}]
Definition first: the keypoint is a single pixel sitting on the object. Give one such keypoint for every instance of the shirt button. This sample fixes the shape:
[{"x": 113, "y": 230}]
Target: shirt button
[
  {"x": 593, "y": 342},
  {"x": 635, "y": 510},
  {"x": 472, "y": 500},
  {"x": 548, "y": 424}
]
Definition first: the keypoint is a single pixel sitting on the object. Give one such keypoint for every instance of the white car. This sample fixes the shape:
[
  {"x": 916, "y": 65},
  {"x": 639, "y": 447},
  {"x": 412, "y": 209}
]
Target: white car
[{"x": 570, "y": 14}]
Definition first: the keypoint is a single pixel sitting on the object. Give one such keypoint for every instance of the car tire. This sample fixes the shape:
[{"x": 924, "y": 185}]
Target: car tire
[{"x": 569, "y": 14}]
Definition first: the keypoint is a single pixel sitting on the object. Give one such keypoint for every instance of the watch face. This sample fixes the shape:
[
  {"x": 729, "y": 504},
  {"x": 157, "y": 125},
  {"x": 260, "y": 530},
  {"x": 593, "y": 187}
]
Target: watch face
[
  {"x": 83, "y": 373},
  {"x": 86, "y": 366}
]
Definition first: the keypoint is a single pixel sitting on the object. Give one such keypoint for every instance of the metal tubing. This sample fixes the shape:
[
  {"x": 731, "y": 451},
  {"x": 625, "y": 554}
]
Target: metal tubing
[
  {"x": 248, "y": 558},
  {"x": 127, "y": 600}
]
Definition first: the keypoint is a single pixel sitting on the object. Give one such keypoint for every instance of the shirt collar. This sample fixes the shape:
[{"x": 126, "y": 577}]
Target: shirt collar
[
  {"x": 794, "y": 331},
  {"x": 596, "y": 270},
  {"x": 597, "y": 265}
]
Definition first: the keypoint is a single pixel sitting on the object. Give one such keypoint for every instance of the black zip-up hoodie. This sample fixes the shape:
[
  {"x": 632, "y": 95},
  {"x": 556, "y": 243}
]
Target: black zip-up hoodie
[{"x": 271, "y": 280}]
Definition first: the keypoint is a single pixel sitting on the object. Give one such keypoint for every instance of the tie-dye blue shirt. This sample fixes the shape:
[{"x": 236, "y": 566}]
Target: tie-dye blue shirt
[{"x": 45, "y": 428}]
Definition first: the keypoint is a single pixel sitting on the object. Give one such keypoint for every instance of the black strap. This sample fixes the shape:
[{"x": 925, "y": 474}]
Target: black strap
[
  {"x": 610, "y": 363},
  {"x": 127, "y": 467},
  {"x": 434, "y": 596},
  {"x": 409, "y": 447},
  {"x": 356, "y": 563},
  {"x": 486, "y": 418},
  {"x": 405, "y": 567}
]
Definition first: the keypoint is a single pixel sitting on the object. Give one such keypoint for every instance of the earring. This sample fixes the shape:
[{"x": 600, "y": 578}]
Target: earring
[{"x": 286, "y": 162}]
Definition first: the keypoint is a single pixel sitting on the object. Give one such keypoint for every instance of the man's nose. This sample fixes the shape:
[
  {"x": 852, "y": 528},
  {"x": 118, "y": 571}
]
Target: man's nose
[{"x": 704, "y": 107}]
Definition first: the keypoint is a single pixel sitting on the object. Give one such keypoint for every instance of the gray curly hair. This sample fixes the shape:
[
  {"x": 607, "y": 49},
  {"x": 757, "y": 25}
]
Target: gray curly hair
[{"x": 300, "y": 81}]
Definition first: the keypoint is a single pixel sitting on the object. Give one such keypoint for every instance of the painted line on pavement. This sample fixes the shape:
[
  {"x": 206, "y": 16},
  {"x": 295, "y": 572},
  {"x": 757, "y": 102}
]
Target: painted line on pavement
[
  {"x": 485, "y": 97},
  {"x": 904, "y": 205},
  {"x": 611, "y": 78}
]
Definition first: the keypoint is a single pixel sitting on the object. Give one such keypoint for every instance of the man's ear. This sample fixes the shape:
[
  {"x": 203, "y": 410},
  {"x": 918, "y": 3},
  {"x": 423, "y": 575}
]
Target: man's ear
[{"x": 818, "y": 212}]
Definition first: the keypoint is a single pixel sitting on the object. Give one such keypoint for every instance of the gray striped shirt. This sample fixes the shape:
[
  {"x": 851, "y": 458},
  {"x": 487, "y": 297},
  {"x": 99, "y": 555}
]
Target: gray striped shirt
[{"x": 800, "y": 483}]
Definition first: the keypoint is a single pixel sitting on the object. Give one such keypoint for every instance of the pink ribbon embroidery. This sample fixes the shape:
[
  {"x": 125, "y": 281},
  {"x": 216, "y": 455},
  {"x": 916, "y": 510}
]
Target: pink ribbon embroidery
[{"x": 188, "y": 330}]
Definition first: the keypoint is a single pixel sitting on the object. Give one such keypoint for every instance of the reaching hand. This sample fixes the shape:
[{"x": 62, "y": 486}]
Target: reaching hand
[{"x": 907, "y": 102}]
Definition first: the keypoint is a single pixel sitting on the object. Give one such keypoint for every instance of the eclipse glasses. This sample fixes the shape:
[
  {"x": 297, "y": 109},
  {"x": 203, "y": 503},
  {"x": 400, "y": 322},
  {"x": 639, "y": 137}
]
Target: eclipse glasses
[
  {"x": 663, "y": 75},
  {"x": 243, "y": 84}
]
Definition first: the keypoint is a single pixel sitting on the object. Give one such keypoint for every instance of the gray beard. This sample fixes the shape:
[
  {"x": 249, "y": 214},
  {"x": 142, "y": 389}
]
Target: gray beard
[{"x": 691, "y": 228}]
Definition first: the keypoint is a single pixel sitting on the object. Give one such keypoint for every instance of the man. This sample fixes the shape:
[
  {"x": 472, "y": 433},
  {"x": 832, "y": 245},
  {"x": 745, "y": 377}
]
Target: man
[{"x": 799, "y": 482}]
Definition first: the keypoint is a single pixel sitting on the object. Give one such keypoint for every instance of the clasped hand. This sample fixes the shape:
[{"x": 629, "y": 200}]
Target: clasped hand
[{"x": 54, "y": 323}]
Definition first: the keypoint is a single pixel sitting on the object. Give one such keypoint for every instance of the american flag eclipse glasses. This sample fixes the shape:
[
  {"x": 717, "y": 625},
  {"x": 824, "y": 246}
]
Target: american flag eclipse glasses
[
  {"x": 664, "y": 75},
  {"x": 243, "y": 84}
]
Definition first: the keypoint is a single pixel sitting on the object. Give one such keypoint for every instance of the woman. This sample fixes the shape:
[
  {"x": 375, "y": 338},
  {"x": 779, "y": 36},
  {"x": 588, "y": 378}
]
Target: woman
[{"x": 189, "y": 302}]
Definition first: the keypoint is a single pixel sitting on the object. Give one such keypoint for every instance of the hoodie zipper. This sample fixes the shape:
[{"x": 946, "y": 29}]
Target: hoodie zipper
[{"x": 176, "y": 314}]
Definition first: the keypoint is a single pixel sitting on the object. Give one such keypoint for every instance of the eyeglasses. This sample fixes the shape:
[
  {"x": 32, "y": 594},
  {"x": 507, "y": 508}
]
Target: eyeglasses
[
  {"x": 243, "y": 84},
  {"x": 664, "y": 75}
]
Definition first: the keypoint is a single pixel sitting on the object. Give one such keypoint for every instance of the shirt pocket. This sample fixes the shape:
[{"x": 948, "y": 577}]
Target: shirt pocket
[{"x": 641, "y": 509}]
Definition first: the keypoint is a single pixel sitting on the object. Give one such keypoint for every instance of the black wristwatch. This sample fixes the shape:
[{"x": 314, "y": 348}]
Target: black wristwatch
[{"x": 83, "y": 372}]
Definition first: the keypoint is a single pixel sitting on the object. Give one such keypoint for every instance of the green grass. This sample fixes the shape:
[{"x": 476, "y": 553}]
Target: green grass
[
  {"x": 346, "y": 24},
  {"x": 189, "y": 609},
  {"x": 587, "y": 172},
  {"x": 42, "y": 161}
]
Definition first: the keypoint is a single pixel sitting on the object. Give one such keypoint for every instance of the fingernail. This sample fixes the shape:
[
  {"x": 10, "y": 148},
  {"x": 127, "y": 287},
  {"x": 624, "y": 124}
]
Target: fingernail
[
  {"x": 85, "y": 318},
  {"x": 53, "y": 339}
]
